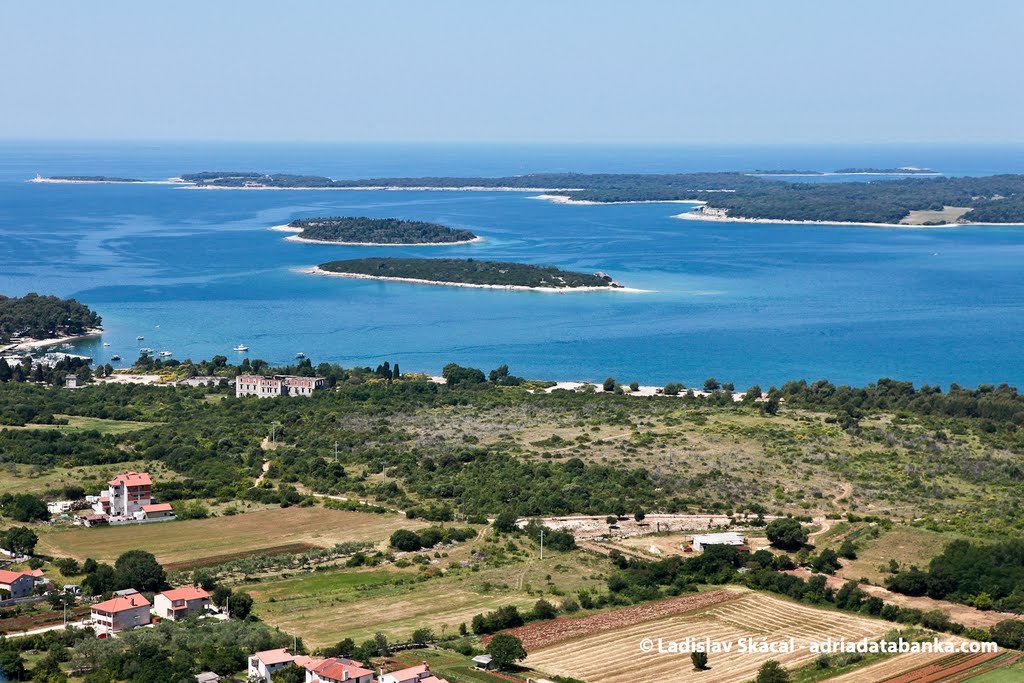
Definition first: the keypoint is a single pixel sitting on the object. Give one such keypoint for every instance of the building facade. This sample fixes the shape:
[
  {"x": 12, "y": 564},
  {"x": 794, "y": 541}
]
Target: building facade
[
  {"x": 17, "y": 584},
  {"x": 126, "y": 495},
  {"x": 121, "y": 613},
  {"x": 278, "y": 385},
  {"x": 180, "y": 603}
]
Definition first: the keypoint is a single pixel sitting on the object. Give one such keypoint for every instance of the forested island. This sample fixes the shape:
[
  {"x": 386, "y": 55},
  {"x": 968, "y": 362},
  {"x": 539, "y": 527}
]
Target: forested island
[
  {"x": 44, "y": 317},
  {"x": 985, "y": 199},
  {"x": 468, "y": 273},
  {"x": 383, "y": 231}
]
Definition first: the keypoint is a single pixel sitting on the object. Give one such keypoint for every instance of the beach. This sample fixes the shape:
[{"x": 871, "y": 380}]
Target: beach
[
  {"x": 316, "y": 270},
  {"x": 698, "y": 215},
  {"x": 297, "y": 238},
  {"x": 562, "y": 199},
  {"x": 41, "y": 343}
]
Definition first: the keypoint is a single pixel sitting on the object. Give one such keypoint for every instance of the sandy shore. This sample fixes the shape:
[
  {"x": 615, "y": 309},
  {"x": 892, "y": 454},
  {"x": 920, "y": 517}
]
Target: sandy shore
[
  {"x": 562, "y": 199},
  {"x": 41, "y": 343},
  {"x": 715, "y": 218},
  {"x": 297, "y": 238},
  {"x": 387, "y": 188},
  {"x": 316, "y": 270}
]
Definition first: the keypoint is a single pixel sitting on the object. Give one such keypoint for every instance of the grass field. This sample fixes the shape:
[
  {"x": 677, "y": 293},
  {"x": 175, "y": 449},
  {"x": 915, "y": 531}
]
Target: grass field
[
  {"x": 324, "y": 607},
  {"x": 948, "y": 214},
  {"x": 27, "y": 479},
  {"x": 446, "y": 664},
  {"x": 906, "y": 545},
  {"x": 193, "y": 539},
  {"x": 615, "y": 656},
  {"x": 98, "y": 424}
]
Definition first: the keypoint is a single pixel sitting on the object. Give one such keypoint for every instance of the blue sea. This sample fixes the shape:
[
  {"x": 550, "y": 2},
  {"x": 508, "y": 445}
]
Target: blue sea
[{"x": 197, "y": 272}]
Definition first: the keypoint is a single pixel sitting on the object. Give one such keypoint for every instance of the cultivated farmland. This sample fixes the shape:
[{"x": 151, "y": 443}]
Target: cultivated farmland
[
  {"x": 174, "y": 542},
  {"x": 614, "y": 656}
]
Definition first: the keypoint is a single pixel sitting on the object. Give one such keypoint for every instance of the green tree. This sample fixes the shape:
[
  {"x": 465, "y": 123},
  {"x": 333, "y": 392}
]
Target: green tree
[
  {"x": 289, "y": 674},
  {"x": 422, "y": 636},
  {"x": 609, "y": 384},
  {"x": 700, "y": 660},
  {"x": 240, "y": 605},
  {"x": 405, "y": 540},
  {"x": 505, "y": 650},
  {"x": 639, "y": 515},
  {"x": 786, "y": 533},
  {"x": 139, "y": 569},
  {"x": 505, "y": 522},
  {"x": 711, "y": 384},
  {"x": 772, "y": 672},
  {"x": 19, "y": 539}
]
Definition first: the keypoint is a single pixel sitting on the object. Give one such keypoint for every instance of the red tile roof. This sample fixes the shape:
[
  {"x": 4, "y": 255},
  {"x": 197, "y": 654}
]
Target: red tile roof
[
  {"x": 185, "y": 593},
  {"x": 338, "y": 667},
  {"x": 278, "y": 656},
  {"x": 433, "y": 679},
  {"x": 307, "y": 662},
  {"x": 120, "y": 604},
  {"x": 131, "y": 479},
  {"x": 157, "y": 507},
  {"x": 413, "y": 672},
  {"x": 9, "y": 577}
]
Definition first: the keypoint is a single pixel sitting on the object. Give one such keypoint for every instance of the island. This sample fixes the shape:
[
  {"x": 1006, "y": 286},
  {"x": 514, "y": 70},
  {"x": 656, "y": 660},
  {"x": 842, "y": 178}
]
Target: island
[
  {"x": 468, "y": 273},
  {"x": 360, "y": 231},
  {"x": 922, "y": 199},
  {"x": 35, "y": 320}
]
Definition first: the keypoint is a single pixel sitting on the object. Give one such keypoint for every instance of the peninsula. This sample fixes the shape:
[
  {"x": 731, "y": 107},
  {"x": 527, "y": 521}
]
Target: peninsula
[
  {"x": 389, "y": 232},
  {"x": 468, "y": 273}
]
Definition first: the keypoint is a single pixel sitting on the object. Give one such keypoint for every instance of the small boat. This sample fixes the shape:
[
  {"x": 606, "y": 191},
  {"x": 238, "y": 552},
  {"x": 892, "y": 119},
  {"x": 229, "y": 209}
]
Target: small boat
[
  {"x": 146, "y": 350},
  {"x": 241, "y": 347},
  {"x": 106, "y": 343},
  {"x": 165, "y": 354},
  {"x": 115, "y": 357},
  {"x": 139, "y": 338},
  {"x": 300, "y": 354}
]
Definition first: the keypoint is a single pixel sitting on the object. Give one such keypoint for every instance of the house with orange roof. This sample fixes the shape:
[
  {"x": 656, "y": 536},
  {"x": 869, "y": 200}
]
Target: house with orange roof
[
  {"x": 339, "y": 670},
  {"x": 180, "y": 603},
  {"x": 125, "y": 611},
  {"x": 16, "y": 584},
  {"x": 262, "y": 665},
  {"x": 414, "y": 674}
]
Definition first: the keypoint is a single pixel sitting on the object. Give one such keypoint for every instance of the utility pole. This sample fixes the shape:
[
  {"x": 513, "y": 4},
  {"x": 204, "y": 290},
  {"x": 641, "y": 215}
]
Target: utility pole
[
  {"x": 542, "y": 544},
  {"x": 335, "y": 451},
  {"x": 384, "y": 471}
]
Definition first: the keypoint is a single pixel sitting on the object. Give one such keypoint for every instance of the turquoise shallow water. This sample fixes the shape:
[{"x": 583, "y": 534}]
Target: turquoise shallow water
[{"x": 196, "y": 272}]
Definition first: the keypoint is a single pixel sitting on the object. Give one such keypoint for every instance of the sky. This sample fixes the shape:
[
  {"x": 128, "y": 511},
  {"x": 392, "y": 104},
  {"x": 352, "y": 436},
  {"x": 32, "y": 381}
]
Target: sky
[{"x": 642, "y": 71}]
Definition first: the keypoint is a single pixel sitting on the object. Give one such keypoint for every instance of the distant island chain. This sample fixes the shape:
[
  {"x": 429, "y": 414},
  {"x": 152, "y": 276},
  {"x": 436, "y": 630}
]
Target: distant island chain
[{"x": 909, "y": 196}]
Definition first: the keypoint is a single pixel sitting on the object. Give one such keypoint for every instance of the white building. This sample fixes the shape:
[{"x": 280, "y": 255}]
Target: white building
[
  {"x": 701, "y": 541},
  {"x": 126, "y": 610},
  {"x": 126, "y": 495},
  {"x": 180, "y": 603}
]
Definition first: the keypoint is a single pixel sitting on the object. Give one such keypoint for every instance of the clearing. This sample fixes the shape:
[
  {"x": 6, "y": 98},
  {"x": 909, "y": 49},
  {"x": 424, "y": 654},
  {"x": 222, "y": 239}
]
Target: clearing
[
  {"x": 181, "y": 541},
  {"x": 324, "y": 607},
  {"x": 949, "y": 214}
]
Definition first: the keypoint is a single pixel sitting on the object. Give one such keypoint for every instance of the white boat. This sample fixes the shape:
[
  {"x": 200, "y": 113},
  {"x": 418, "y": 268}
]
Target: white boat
[
  {"x": 146, "y": 350},
  {"x": 115, "y": 357},
  {"x": 241, "y": 347},
  {"x": 165, "y": 354},
  {"x": 106, "y": 343},
  {"x": 139, "y": 338},
  {"x": 300, "y": 354}
]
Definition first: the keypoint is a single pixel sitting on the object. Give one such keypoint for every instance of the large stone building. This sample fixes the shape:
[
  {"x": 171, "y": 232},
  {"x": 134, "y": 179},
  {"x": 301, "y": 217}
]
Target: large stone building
[{"x": 278, "y": 385}]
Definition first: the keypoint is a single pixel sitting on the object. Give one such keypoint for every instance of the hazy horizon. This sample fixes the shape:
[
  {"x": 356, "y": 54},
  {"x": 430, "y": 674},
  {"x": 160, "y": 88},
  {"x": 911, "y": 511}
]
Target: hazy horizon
[{"x": 655, "y": 72}]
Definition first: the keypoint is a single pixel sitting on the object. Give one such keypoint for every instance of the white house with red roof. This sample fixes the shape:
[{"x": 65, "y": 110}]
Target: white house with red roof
[
  {"x": 126, "y": 494},
  {"x": 339, "y": 670},
  {"x": 125, "y": 611},
  {"x": 262, "y": 665},
  {"x": 414, "y": 674},
  {"x": 180, "y": 603},
  {"x": 17, "y": 584}
]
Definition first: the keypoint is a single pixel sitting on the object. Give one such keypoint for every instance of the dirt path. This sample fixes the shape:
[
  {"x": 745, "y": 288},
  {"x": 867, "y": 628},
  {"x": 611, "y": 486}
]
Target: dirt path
[{"x": 263, "y": 474}]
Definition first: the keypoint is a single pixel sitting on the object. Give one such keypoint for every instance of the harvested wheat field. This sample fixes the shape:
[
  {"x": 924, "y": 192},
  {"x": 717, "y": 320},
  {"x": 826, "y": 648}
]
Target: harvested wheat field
[{"x": 614, "y": 656}]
